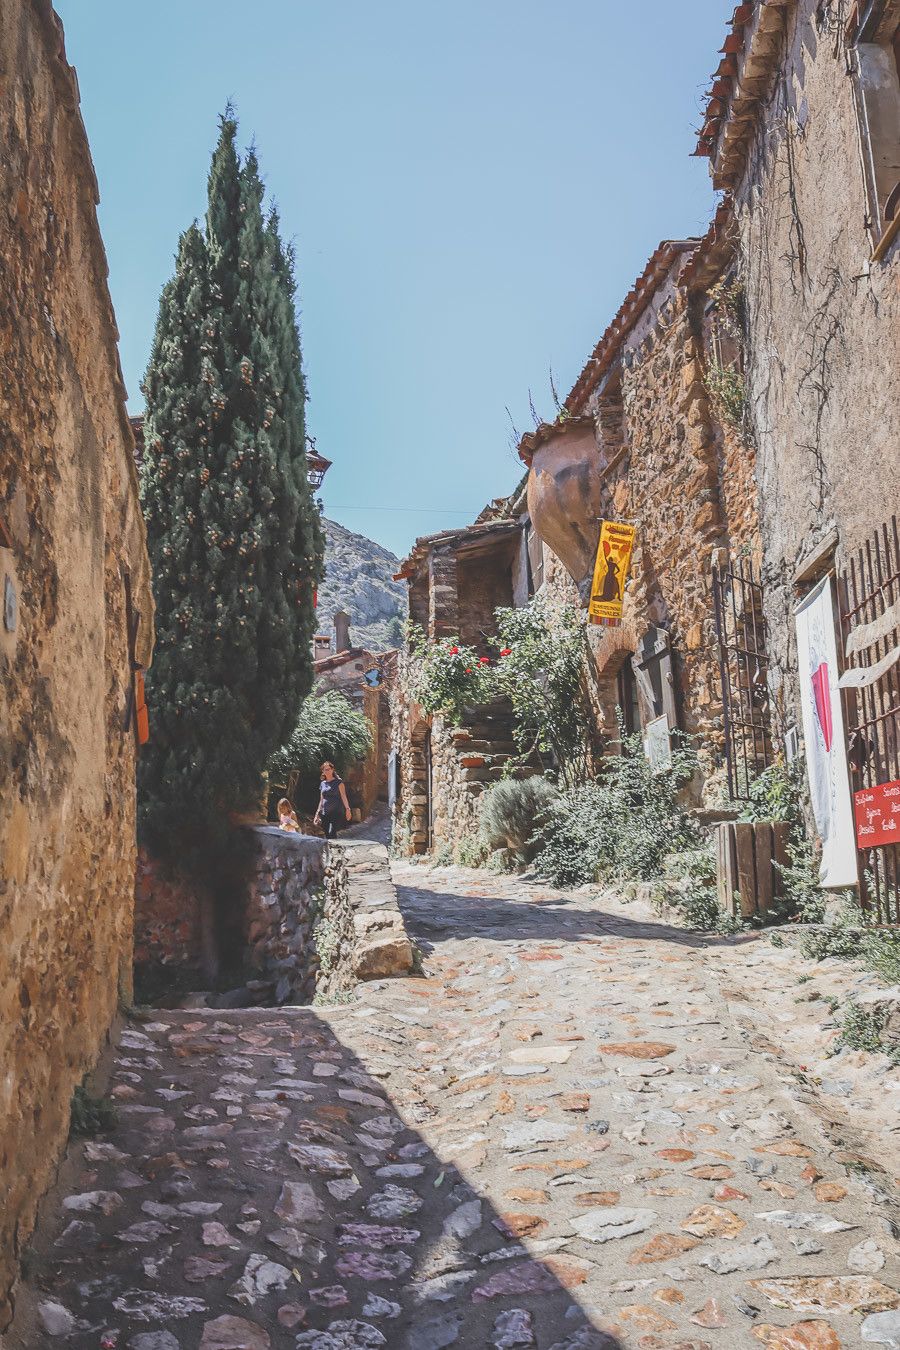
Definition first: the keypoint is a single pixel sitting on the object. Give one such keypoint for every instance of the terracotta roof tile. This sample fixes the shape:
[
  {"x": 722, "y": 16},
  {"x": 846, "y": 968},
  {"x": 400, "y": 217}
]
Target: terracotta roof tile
[
  {"x": 422, "y": 547},
  {"x": 532, "y": 440},
  {"x": 632, "y": 307},
  {"x": 752, "y": 54}
]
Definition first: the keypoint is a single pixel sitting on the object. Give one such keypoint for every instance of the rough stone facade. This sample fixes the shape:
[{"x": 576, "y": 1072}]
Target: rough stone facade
[
  {"x": 456, "y": 582},
  {"x": 811, "y": 99},
  {"x": 663, "y": 456},
  {"x": 168, "y": 922},
  {"x": 296, "y": 922},
  {"x": 71, "y": 534}
]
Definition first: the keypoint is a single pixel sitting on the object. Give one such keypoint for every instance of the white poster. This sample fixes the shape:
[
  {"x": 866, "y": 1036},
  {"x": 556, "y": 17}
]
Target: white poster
[
  {"x": 658, "y": 744},
  {"x": 823, "y": 735}
]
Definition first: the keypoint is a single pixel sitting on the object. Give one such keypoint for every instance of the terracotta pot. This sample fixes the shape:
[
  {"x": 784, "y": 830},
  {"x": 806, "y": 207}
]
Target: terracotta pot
[{"x": 564, "y": 499}]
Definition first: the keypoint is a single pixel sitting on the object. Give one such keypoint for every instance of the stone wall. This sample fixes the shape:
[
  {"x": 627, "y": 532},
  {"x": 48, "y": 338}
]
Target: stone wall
[
  {"x": 68, "y": 499},
  {"x": 441, "y": 811},
  {"x": 302, "y": 918},
  {"x": 824, "y": 325},
  {"x": 168, "y": 922},
  {"x": 485, "y": 584},
  {"x": 664, "y": 457},
  {"x": 681, "y": 454},
  {"x": 295, "y": 883}
]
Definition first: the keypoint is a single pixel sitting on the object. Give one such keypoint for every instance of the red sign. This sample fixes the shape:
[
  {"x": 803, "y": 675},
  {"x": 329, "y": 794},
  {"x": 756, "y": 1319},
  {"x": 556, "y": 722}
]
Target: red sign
[{"x": 877, "y": 815}]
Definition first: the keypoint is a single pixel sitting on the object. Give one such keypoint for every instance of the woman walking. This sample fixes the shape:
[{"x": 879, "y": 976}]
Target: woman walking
[{"x": 334, "y": 809}]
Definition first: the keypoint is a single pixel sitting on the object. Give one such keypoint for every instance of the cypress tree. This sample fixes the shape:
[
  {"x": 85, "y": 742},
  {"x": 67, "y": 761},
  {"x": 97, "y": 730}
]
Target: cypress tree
[{"x": 233, "y": 533}]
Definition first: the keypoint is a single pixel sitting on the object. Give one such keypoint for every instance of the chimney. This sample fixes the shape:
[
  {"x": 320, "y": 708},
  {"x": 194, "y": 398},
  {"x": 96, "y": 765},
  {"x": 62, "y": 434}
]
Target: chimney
[{"x": 342, "y": 631}]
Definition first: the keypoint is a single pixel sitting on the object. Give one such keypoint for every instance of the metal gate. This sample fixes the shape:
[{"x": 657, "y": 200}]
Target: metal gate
[
  {"x": 870, "y": 632},
  {"x": 743, "y": 671}
]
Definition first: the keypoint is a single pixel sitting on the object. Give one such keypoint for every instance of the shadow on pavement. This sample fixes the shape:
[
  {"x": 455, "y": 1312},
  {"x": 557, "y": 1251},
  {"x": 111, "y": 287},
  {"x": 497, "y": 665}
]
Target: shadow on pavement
[
  {"x": 261, "y": 1172},
  {"x": 441, "y": 916}
]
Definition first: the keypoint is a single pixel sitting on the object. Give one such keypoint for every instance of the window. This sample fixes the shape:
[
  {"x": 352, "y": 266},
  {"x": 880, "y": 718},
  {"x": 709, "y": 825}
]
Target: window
[
  {"x": 535, "y": 548},
  {"x": 875, "y": 59},
  {"x": 626, "y": 691}
]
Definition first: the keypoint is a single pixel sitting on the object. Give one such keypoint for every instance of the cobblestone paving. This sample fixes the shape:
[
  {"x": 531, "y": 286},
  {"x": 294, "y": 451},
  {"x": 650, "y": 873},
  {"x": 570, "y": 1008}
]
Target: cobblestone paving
[{"x": 560, "y": 1138}]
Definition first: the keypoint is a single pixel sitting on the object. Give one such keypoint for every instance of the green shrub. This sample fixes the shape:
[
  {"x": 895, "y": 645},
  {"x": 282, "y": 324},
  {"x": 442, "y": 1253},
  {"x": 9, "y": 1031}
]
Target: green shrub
[
  {"x": 697, "y": 900},
  {"x": 825, "y": 942},
  {"x": 512, "y": 811},
  {"x": 328, "y": 728},
  {"x": 541, "y": 670},
  {"x": 91, "y": 1115},
  {"x": 726, "y": 388},
  {"x": 621, "y": 826},
  {"x": 778, "y": 795},
  {"x": 881, "y": 954},
  {"x": 472, "y": 851},
  {"x": 863, "y": 1029}
]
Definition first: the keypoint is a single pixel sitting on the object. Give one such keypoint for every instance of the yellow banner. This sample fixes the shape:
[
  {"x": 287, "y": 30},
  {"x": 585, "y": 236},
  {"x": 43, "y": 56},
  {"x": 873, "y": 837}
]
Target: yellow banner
[{"x": 610, "y": 572}]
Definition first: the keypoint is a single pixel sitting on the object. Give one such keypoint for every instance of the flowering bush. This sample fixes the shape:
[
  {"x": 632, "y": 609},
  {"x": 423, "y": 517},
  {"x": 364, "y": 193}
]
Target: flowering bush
[
  {"x": 450, "y": 677},
  {"x": 541, "y": 670}
]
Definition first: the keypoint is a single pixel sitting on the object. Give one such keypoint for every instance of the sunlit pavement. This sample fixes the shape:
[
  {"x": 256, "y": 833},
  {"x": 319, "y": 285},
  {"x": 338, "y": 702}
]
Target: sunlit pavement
[{"x": 560, "y": 1137}]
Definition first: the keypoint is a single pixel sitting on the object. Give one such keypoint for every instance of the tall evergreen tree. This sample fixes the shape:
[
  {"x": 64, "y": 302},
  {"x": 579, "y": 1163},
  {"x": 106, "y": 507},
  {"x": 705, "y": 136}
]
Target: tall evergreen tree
[{"x": 233, "y": 532}]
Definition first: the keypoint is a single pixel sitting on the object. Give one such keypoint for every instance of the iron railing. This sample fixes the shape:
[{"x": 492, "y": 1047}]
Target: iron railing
[
  {"x": 870, "y": 629},
  {"x": 743, "y": 671}
]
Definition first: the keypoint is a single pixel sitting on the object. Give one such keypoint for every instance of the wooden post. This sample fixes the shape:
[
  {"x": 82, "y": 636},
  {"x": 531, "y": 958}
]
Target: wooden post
[
  {"x": 762, "y": 835},
  {"x": 746, "y": 869},
  {"x": 726, "y": 868}
]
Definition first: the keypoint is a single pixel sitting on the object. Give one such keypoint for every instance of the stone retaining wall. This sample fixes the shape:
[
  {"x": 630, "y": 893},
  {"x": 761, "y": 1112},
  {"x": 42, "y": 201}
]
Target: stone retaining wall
[
  {"x": 302, "y": 917},
  {"x": 380, "y": 942},
  {"x": 313, "y": 917}
]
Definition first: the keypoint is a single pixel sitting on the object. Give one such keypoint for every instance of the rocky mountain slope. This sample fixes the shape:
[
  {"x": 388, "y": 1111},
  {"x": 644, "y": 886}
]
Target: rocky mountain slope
[{"x": 358, "y": 578}]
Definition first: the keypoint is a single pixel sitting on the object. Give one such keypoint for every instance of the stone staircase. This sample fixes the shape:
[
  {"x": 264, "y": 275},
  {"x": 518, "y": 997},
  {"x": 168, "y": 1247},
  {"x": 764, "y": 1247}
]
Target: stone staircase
[{"x": 485, "y": 745}]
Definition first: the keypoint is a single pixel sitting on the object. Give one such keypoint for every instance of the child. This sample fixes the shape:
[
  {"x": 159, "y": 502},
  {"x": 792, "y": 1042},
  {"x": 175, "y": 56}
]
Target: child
[{"x": 287, "y": 817}]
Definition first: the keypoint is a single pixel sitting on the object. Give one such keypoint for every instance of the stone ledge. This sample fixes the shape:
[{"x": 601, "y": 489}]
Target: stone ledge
[{"x": 381, "y": 944}]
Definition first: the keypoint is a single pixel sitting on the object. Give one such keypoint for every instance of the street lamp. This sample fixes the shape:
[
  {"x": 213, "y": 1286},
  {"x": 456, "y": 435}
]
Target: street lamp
[{"x": 316, "y": 465}]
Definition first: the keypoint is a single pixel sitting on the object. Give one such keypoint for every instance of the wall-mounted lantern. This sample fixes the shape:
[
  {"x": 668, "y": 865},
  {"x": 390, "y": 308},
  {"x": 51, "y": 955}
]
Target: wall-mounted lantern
[{"x": 316, "y": 465}]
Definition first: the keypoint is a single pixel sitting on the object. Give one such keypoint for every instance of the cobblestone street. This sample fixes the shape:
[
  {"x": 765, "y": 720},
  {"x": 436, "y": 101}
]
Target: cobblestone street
[{"x": 562, "y": 1137}]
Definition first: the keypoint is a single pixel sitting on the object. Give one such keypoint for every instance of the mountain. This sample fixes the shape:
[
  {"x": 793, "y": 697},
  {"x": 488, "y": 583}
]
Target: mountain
[{"x": 359, "y": 578}]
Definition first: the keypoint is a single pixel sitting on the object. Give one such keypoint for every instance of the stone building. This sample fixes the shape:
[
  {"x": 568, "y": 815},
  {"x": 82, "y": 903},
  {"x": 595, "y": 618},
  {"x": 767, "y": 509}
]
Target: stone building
[
  {"x": 456, "y": 580},
  {"x": 77, "y": 617},
  {"x": 348, "y": 670},
  {"x": 802, "y": 129},
  {"x": 643, "y": 437}
]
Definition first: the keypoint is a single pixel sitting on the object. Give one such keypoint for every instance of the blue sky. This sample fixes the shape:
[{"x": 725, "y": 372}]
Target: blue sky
[{"x": 471, "y": 187}]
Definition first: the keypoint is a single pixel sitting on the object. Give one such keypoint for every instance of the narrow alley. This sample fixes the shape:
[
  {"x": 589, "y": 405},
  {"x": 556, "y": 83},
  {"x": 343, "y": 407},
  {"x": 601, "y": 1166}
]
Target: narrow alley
[{"x": 560, "y": 1137}]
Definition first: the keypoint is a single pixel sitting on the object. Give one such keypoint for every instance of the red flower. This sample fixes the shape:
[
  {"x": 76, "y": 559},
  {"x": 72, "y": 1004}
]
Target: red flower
[
  {"x": 454, "y": 651},
  {"x": 506, "y": 651},
  {"x": 468, "y": 670},
  {"x": 484, "y": 661}
]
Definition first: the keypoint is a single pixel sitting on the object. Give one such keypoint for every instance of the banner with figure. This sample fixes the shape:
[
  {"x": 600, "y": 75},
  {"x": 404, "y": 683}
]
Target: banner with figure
[
  {"x": 823, "y": 734},
  {"x": 610, "y": 572}
]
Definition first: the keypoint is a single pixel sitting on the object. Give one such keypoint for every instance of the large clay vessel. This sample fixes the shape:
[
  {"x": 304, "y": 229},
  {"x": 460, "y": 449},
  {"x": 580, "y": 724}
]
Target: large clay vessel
[{"x": 564, "y": 500}]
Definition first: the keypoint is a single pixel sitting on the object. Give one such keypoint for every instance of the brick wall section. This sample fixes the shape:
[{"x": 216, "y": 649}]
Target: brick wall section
[
  {"x": 443, "y": 605},
  {"x": 167, "y": 919},
  {"x": 485, "y": 583},
  {"x": 68, "y": 495}
]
